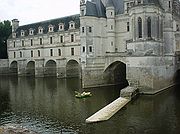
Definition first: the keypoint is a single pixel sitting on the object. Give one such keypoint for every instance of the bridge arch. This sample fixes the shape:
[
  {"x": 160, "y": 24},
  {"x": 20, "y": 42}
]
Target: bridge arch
[
  {"x": 177, "y": 77},
  {"x": 50, "y": 68},
  {"x": 30, "y": 68},
  {"x": 115, "y": 73},
  {"x": 72, "y": 68},
  {"x": 13, "y": 68}
]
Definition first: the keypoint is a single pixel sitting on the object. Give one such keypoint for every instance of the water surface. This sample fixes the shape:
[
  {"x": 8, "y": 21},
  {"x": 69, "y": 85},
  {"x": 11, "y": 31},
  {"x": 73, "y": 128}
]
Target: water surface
[{"x": 48, "y": 106}]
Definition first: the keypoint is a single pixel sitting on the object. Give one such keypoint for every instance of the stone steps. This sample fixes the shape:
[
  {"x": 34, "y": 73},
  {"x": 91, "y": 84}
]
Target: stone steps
[{"x": 108, "y": 111}]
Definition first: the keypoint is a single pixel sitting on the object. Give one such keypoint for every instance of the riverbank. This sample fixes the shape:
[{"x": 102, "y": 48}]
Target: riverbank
[{"x": 15, "y": 129}]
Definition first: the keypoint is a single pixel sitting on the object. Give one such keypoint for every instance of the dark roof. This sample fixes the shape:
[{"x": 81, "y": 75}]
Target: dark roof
[
  {"x": 95, "y": 8},
  {"x": 155, "y": 2},
  {"x": 109, "y": 3},
  {"x": 119, "y": 6},
  {"x": 45, "y": 24},
  {"x": 91, "y": 9}
]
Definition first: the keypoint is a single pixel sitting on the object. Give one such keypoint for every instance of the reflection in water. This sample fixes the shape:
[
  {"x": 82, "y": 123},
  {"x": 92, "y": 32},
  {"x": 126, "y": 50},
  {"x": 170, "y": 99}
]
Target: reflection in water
[{"x": 48, "y": 105}]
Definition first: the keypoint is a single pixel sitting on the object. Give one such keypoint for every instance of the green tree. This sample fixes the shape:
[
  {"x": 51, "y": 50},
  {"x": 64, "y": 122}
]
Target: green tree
[{"x": 5, "y": 31}]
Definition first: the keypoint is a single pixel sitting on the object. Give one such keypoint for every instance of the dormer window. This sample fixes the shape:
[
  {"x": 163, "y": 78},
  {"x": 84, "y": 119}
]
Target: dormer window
[
  {"x": 61, "y": 26},
  {"x": 82, "y": 12},
  {"x": 22, "y": 32},
  {"x": 40, "y": 30},
  {"x": 31, "y": 31},
  {"x": 14, "y": 35},
  {"x": 138, "y": 2},
  {"x": 71, "y": 25},
  {"x": 51, "y": 28}
]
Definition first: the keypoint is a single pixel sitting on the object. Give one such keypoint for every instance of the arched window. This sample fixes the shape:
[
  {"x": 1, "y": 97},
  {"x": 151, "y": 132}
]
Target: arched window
[
  {"x": 149, "y": 27},
  {"x": 20, "y": 54},
  {"x": 14, "y": 54},
  {"x": 59, "y": 52},
  {"x": 39, "y": 54},
  {"x": 140, "y": 27},
  {"x": 31, "y": 53}
]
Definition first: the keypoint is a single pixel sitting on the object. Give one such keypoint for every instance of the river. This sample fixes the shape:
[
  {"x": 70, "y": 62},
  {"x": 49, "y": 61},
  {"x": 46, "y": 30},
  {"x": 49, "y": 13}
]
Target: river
[{"x": 48, "y": 106}]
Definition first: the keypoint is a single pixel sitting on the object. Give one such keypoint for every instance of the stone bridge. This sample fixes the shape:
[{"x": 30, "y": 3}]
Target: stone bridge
[
  {"x": 150, "y": 74},
  {"x": 61, "y": 68}
]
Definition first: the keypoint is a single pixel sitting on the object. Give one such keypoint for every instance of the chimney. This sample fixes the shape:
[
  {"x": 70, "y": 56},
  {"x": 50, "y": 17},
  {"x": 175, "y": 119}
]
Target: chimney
[{"x": 15, "y": 25}]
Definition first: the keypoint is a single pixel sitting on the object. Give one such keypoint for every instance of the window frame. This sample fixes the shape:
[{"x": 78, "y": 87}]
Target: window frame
[
  {"x": 61, "y": 27},
  {"x": 90, "y": 29},
  {"x": 72, "y": 38},
  {"x": 128, "y": 26},
  {"x": 40, "y": 41},
  {"x": 51, "y": 28},
  {"x": 14, "y": 54},
  {"x": 22, "y": 43},
  {"x": 72, "y": 51},
  {"x": 20, "y": 54},
  {"x": 31, "y": 31},
  {"x": 51, "y": 40},
  {"x": 139, "y": 27},
  {"x": 14, "y": 43},
  {"x": 90, "y": 49},
  {"x": 149, "y": 29},
  {"x": 59, "y": 52},
  {"x": 40, "y": 30},
  {"x": 32, "y": 54},
  {"x": 22, "y": 33},
  {"x": 39, "y": 53},
  {"x": 51, "y": 52},
  {"x": 61, "y": 38},
  {"x": 83, "y": 49},
  {"x": 31, "y": 40},
  {"x": 83, "y": 29}
]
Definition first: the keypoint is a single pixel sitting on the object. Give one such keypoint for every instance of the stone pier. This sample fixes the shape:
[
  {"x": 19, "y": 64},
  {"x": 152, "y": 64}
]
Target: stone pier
[{"x": 108, "y": 111}]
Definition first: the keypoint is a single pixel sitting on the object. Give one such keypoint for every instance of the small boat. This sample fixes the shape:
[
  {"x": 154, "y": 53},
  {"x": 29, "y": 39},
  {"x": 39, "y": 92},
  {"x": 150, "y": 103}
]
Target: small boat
[{"x": 83, "y": 94}]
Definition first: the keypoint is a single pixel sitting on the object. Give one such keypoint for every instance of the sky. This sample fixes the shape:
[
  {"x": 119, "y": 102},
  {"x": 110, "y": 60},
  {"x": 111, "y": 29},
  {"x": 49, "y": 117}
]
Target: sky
[{"x": 31, "y": 11}]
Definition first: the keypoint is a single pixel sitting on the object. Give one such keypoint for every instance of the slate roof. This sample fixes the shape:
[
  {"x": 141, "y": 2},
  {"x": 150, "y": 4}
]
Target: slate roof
[
  {"x": 97, "y": 9},
  {"x": 156, "y": 2},
  {"x": 118, "y": 5},
  {"x": 45, "y": 24}
]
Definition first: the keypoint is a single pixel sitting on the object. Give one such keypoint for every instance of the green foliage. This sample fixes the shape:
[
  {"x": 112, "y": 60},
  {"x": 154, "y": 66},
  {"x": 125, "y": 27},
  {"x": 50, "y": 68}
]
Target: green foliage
[{"x": 5, "y": 31}]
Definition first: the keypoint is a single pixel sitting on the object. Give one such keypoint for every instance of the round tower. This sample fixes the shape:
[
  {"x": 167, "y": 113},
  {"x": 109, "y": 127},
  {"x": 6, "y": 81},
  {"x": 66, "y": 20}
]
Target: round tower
[{"x": 110, "y": 13}]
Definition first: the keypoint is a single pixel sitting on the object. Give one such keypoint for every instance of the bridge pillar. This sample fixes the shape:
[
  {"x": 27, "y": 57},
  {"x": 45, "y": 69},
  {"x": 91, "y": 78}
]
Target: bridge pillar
[
  {"x": 151, "y": 74},
  {"x": 22, "y": 67},
  {"x": 39, "y": 68},
  {"x": 93, "y": 76},
  {"x": 61, "y": 68}
]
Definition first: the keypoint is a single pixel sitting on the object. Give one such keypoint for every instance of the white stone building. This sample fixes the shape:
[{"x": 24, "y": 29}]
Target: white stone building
[
  {"x": 113, "y": 41},
  {"x": 47, "y": 48}
]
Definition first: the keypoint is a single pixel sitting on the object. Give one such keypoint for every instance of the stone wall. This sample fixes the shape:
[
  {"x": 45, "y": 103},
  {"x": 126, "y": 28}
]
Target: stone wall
[
  {"x": 4, "y": 66},
  {"x": 150, "y": 74}
]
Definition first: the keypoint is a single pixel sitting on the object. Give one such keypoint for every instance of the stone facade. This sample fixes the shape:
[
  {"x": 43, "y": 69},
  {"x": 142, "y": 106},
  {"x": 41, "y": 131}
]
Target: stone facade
[
  {"x": 114, "y": 41},
  {"x": 45, "y": 48},
  {"x": 141, "y": 35}
]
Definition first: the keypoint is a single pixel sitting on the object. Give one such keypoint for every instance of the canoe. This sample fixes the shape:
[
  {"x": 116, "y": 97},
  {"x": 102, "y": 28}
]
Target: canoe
[{"x": 83, "y": 94}]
